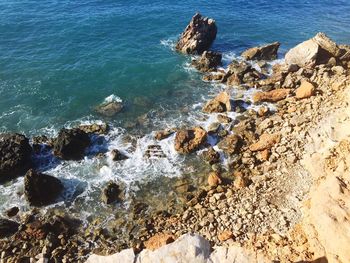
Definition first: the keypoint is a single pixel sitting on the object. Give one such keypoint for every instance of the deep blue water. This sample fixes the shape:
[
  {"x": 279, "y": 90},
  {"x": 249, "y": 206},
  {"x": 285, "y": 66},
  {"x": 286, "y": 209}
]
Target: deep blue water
[{"x": 59, "y": 59}]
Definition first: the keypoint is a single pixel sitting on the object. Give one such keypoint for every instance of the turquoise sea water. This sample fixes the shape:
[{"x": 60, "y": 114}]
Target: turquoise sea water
[{"x": 59, "y": 59}]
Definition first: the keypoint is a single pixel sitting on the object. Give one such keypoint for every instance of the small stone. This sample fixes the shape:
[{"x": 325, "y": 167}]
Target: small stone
[
  {"x": 225, "y": 235},
  {"x": 306, "y": 90},
  {"x": 214, "y": 179}
]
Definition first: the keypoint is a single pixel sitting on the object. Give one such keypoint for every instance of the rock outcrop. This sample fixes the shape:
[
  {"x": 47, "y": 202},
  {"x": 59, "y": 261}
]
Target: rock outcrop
[
  {"x": 15, "y": 156},
  {"x": 71, "y": 144},
  {"x": 266, "y": 141},
  {"x": 240, "y": 73},
  {"x": 221, "y": 103},
  {"x": 266, "y": 52},
  {"x": 41, "y": 189},
  {"x": 187, "y": 141},
  {"x": 198, "y": 36},
  {"x": 209, "y": 61},
  {"x": 109, "y": 109},
  {"x": 315, "y": 51}
]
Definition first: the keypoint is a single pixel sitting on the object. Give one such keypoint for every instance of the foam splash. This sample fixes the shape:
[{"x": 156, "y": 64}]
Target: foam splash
[
  {"x": 169, "y": 43},
  {"x": 112, "y": 98}
]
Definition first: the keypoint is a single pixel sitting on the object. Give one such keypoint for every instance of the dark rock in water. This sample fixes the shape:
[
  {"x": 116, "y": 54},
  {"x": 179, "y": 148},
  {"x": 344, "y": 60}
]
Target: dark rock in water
[
  {"x": 198, "y": 36},
  {"x": 240, "y": 105},
  {"x": 95, "y": 128},
  {"x": 118, "y": 156},
  {"x": 13, "y": 211},
  {"x": 161, "y": 135},
  {"x": 211, "y": 156},
  {"x": 7, "y": 227},
  {"x": 110, "y": 109},
  {"x": 142, "y": 101},
  {"x": 154, "y": 151},
  {"x": 41, "y": 189},
  {"x": 71, "y": 144},
  {"x": 187, "y": 141},
  {"x": 111, "y": 193},
  {"x": 266, "y": 52},
  {"x": 15, "y": 156},
  {"x": 230, "y": 144},
  {"x": 240, "y": 73},
  {"x": 42, "y": 142},
  {"x": 209, "y": 61}
]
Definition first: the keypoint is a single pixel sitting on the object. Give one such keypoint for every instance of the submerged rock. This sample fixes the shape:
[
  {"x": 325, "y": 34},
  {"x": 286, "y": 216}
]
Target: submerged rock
[
  {"x": 187, "y": 141},
  {"x": 221, "y": 103},
  {"x": 15, "y": 156},
  {"x": 111, "y": 193},
  {"x": 118, "y": 155},
  {"x": 7, "y": 227},
  {"x": 71, "y": 144},
  {"x": 315, "y": 51},
  {"x": 211, "y": 156},
  {"x": 163, "y": 134},
  {"x": 41, "y": 189},
  {"x": 198, "y": 36},
  {"x": 266, "y": 52},
  {"x": 230, "y": 144},
  {"x": 109, "y": 109},
  {"x": 209, "y": 61},
  {"x": 271, "y": 96}
]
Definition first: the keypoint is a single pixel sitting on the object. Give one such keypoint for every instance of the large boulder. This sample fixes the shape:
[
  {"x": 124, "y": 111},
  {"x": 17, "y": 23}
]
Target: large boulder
[
  {"x": 71, "y": 144},
  {"x": 41, "y": 189},
  {"x": 221, "y": 103},
  {"x": 7, "y": 227},
  {"x": 241, "y": 72},
  {"x": 198, "y": 36},
  {"x": 271, "y": 96},
  {"x": 110, "y": 108},
  {"x": 187, "y": 141},
  {"x": 266, "y": 141},
  {"x": 315, "y": 51},
  {"x": 15, "y": 156},
  {"x": 209, "y": 61},
  {"x": 266, "y": 52}
]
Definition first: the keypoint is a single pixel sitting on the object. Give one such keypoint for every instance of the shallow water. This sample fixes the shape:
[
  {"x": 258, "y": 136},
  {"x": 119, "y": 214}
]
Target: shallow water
[{"x": 59, "y": 59}]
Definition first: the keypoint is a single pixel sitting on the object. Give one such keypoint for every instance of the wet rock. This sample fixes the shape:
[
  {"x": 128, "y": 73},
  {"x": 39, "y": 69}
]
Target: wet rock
[
  {"x": 163, "y": 134},
  {"x": 197, "y": 36},
  {"x": 225, "y": 235},
  {"x": 159, "y": 240},
  {"x": 209, "y": 61},
  {"x": 214, "y": 179},
  {"x": 95, "y": 128},
  {"x": 271, "y": 96},
  {"x": 142, "y": 101},
  {"x": 230, "y": 144},
  {"x": 41, "y": 189},
  {"x": 13, "y": 211},
  {"x": 71, "y": 144},
  {"x": 266, "y": 141},
  {"x": 221, "y": 103},
  {"x": 7, "y": 227},
  {"x": 224, "y": 118},
  {"x": 211, "y": 156},
  {"x": 111, "y": 193},
  {"x": 240, "y": 73},
  {"x": 187, "y": 141},
  {"x": 109, "y": 109},
  {"x": 266, "y": 52},
  {"x": 214, "y": 77},
  {"x": 154, "y": 152},
  {"x": 118, "y": 155},
  {"x": 315, "y": 51},
  {"x": 306, "y": 90},
  {"x": 15, "y": 156}
]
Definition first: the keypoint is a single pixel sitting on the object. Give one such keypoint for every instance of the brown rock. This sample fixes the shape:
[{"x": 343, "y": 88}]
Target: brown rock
[
  {"x": 264, "y": 155},
  {"x": 306, "y": 90},
  {"x": 266, "y": 141},
  {"x": 187, "y": 141},
  {"x": 209, "y": 61},
  {"x": 161, "y": 135},
  {"x": 263, "y": 111},
  {"x": 266, "y": 52},
  {"x": 240, "y": 181},
  {"x": 95, "y": 128},
  {"x": 211, "y": 156},
  {"x": 225, "y": 235},
  {"x": 159, "y": 240},
  {"x": 271, "y": 96},
  {"x": 197, "y": 36},
  {"x": 220, "y": 103},
  {"x": 224, "y": 118},
  {"x": 230, "y": 144},
  {"x": 214, "y": 179}
]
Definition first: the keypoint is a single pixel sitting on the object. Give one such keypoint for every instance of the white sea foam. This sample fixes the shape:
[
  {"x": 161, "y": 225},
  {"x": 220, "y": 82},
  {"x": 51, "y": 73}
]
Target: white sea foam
[
  {"x": 112, "y": 98},
  {"x": 170, "y": 42}
]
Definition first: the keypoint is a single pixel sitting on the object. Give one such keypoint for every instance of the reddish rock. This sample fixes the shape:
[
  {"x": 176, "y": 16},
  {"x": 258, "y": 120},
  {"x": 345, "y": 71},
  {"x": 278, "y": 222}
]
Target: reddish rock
[
  {"x": 271, "y": 96},
  {"x": 230, "y": 144},
  {"x": 187, "y": 141},
  {"x": 306, "y": 90},
  {"x": 159, "y": 240},
  {"x": 266, "y": 141},
  {"x": 266, "y": 52},
  {"x": 214, "y": 179},
  {"x": 225, "y": 235},
  {"x": 221, "y": 103}
]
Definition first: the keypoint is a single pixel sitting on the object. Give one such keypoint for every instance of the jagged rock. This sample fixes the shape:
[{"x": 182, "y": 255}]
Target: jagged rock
[
  {"x": 197, "y": 36},
  {"x": 306, "y": 90},
  {"x": 95, "y": 128},
  {"x": 266, "y": 141},
  {"x": 224, "y": 118},
  {"x": 315, "y": 51},
  {"x": 241, "y": 72},
  {"x": 154, "y": 152},
  {"x": 266, "y": 52},
  {"x": 111, "y": 193},
  {"x": 13, "y": 211},
  {"x": 271, "y": 96},
  {"x": 161, "y": 135},
  {"x": 118, "y": 156},
  {"x": 209, "y": 61},
  {"x": 187, "y": 141},
  {"x": 225, "y": 235},
  {"x": 159, "y": 240},
  {"x": 7, "y": 227},
  {"x": 230, "y": 144},
  {"x": 213, "y": 77},
  {"x": 211, "y": 156},
  {"x": 71, "y": 144},
  {"x": 109, "y": 109},
  {"x": 214, "y": 179},
  {"x": 41, "y": 189},
  {"x": 15, "y": 156},
  {"x": 221, "y": 103}
]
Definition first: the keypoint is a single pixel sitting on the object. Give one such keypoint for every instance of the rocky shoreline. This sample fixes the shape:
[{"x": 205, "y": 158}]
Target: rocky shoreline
[{"x": 254, "y": 201}]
